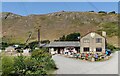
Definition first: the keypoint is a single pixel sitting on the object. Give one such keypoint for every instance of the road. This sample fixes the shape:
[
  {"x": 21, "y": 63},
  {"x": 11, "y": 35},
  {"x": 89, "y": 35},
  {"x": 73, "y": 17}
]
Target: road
[{"x": 76, "y": 66}]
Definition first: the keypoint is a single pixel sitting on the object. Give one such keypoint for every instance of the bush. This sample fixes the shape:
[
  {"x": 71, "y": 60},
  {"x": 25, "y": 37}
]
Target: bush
[
  {"x": 102, "y": 12},
  {"x": 28, "y": 66},
  {"x": 43, "y": 56},
  {"x": 19, "y": 65},
  {"x": 7, "y": 65},
  {"x": 4, "y": 45},
  {"x": 45, "y": 41},
  {"x": 113, "y": 12},
  {"x": 91, "y": 11},
  {"x": 111, "y": 47},
  {"x": 50, "y": 65},
  {"x": 38, "y": 64},
  {"x": 33, "y": 45}
]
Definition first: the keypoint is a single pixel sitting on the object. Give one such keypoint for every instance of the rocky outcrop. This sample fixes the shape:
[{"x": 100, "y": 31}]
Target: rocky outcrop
[{"x": 8, "y": 15}]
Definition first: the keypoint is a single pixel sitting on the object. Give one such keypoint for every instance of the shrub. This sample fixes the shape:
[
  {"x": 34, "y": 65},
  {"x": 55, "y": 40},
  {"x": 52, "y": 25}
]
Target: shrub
[
  {"x": 102, "y": 12},
  {"x": 113, "y": 12},
  {"x": 38, "y": 64},
  {"x": 50, "y": 65},
  {"x": 4, "y": 45},
  {"x": 28, "y": 66},
  {"x": 111, "y": 47},
  {"x": 7, "y": 65},
  {"x": 45, "y": 41},
  {"x": 43, "y": 56},
  {"x": 19, "y": 66},
  {"x": 91, "y": 11},
  {"x": 33, "y": 45}
]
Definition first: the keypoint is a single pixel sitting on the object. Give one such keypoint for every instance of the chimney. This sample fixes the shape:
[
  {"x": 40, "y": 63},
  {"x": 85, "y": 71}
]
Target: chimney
[{"x": 104, "y": 33}]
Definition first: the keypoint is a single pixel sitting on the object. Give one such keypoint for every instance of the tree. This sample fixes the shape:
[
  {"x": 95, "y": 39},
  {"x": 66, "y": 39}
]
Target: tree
[
  {"x": 73, "y": 37},
  {"x": 70, "y": 37}
]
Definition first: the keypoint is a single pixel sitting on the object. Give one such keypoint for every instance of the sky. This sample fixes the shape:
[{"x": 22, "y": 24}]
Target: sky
[
  {"x": 27, "y": 8},
  {"x": 60, "y": 0}
]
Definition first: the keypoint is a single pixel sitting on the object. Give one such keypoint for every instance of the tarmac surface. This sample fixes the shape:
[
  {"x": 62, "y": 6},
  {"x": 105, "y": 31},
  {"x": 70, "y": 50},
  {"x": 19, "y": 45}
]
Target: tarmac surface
[{"x": 76, "y": 66}]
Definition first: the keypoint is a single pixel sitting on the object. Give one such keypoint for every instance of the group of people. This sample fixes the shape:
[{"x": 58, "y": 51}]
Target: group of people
[{"x": 89, "y": 56}]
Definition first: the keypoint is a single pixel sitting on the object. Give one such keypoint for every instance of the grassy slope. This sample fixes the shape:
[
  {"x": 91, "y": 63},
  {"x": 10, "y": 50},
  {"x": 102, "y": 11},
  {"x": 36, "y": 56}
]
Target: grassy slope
[{"x": 57, "y": 24}]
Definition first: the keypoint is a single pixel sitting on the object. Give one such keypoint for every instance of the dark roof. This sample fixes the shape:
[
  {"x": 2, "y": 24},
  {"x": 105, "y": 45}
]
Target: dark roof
[{"x": 63, "y": 44}]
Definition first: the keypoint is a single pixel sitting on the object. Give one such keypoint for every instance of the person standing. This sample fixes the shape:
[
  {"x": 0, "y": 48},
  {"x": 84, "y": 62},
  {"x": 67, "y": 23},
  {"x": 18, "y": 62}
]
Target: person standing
[{"x": 96, "y": 57}]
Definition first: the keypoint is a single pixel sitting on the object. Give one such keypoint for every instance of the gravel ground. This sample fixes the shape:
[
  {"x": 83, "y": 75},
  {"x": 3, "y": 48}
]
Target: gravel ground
[{"x": 75, "y": 66}]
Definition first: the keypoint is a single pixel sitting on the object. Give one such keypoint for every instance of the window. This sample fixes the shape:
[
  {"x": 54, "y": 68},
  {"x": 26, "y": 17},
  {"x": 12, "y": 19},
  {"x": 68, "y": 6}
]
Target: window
[
  {"x": 86, "y": 40},
  {"x": 98, "y": 40},
  {"x": 86, "y": 49},
  {"x": 99, "y": 49}
]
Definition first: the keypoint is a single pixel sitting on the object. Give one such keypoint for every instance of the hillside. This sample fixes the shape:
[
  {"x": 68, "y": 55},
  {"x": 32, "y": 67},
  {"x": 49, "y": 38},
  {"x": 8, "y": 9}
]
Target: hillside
[{"x": 16, "y": 28}]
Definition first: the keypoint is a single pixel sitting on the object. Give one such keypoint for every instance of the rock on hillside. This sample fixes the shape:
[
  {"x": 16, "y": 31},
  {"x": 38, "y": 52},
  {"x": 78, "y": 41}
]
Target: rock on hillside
[{"x": 8, "y": 15}]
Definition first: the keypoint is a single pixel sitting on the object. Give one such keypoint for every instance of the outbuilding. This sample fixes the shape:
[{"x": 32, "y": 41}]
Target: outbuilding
[{"x": 61, "y": 46}]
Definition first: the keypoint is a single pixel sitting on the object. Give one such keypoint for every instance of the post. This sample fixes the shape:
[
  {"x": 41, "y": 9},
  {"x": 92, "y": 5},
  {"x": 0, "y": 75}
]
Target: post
[{"x": 39, "y": 36}]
